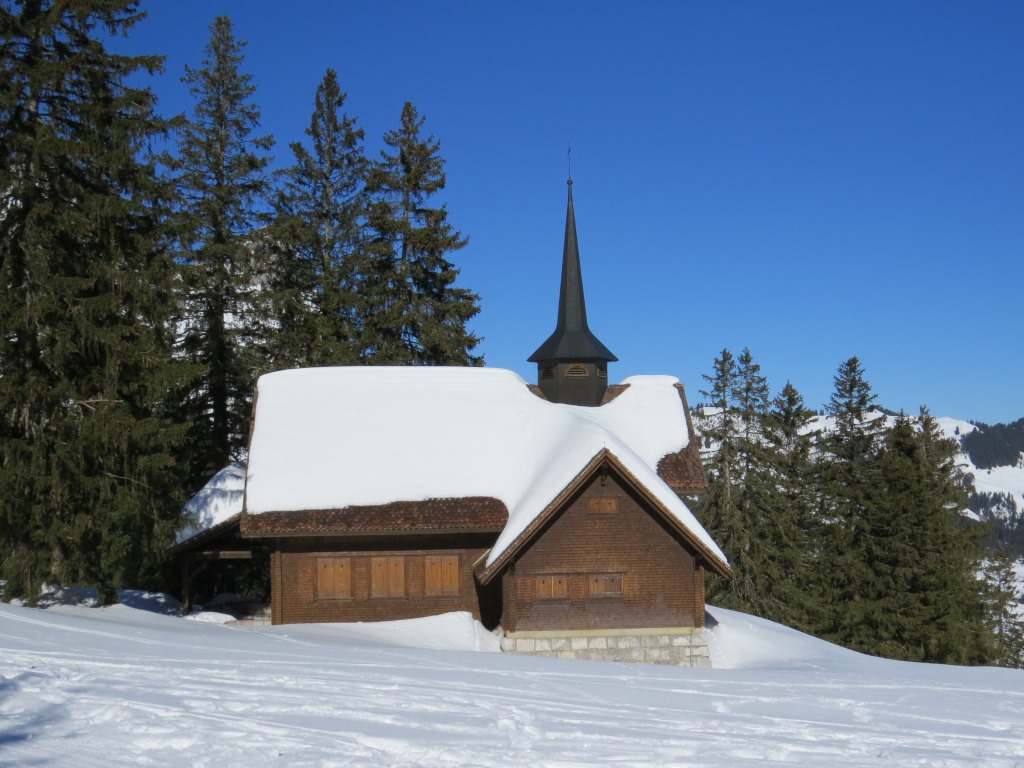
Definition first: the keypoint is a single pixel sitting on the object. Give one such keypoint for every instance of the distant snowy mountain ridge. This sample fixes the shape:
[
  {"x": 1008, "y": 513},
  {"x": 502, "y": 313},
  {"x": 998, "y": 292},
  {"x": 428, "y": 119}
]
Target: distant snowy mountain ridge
[{"x": 998, "y": 490}]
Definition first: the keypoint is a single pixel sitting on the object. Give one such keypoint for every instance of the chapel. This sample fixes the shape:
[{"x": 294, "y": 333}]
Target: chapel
[{"x": 552, "y": 511}]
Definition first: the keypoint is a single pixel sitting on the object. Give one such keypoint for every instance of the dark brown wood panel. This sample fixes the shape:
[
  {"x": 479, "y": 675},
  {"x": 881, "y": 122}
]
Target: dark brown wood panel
[
  {"x": 388, "y": 577},
  {"x": 615, "y": 569}
]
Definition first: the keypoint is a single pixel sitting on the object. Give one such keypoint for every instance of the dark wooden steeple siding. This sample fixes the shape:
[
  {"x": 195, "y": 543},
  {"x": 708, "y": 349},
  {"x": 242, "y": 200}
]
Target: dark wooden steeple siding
[{"x": 572, "y": 365}]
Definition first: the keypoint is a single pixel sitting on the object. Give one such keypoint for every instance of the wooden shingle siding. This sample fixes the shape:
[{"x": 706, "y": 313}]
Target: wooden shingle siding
[
  {"x": 618, "y": 570},
  {"x": 472, "y": 514}
]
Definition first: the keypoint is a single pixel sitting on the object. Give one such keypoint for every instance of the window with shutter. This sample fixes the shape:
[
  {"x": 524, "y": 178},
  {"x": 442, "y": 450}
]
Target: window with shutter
[
  {"x": 604, "y": 585},
  {"x": 333, "y": 579},
  {"x": 551, "y": 586},
  {"x": 603, "y": 506},
  {"x": 441, "y": 575},
  {"x": 387, "y": 577}
]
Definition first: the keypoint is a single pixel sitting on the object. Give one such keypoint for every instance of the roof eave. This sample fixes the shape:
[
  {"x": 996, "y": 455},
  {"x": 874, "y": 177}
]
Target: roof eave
[
  {"x": 485, "y": 573},
  {"x": 206, "y": 535}
]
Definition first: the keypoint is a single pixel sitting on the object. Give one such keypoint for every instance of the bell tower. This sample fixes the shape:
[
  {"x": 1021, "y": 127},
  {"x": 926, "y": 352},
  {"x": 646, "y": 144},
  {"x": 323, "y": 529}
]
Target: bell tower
[{"x": 572, "y": 365}]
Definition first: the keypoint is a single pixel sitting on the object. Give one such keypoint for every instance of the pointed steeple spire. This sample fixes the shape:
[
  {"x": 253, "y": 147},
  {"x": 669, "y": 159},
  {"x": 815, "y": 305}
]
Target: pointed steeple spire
[{"x": 572, "y": 350}]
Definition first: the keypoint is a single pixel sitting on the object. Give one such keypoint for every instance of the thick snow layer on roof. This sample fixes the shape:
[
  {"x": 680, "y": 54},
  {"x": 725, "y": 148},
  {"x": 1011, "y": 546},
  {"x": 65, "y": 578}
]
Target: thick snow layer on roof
[
  {"x": 326, "y": 438},
  {"x": 217, "y": 501}
]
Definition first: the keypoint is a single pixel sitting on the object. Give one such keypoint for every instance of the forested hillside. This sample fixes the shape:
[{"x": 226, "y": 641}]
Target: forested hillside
[
  {"x": 997, "y": 445},
  {"x": 856, "y": 525}
]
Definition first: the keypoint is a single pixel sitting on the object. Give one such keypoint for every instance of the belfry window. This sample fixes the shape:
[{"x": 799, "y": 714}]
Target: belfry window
[{"x": 576, "y": 371}]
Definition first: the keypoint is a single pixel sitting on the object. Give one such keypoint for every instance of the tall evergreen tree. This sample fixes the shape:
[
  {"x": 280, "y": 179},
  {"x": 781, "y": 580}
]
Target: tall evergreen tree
[
  {"x": 1003, "y": 601},
  {"x": 318, "y": 240},
  {"x": 220, "y": 170},
  {"x": 957, "y": 544},
  {"x": 413, "y": 312},
  {"x": 922, "y": 600},
  {"x": 755, "y": 499},
  {"x": 789, "y": 574},
  {"x": 751, "y": 395},
  {"x": 719, "y": 508},
  {"x": 852, "y": 405},
  {"x": 848, "y": 471},
  {"x": 762, "y": 530},
  {"x": 88, "y": 483}
]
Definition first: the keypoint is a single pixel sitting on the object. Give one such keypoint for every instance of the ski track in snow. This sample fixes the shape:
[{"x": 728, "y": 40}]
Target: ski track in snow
[{"x": 82, "y": 691}]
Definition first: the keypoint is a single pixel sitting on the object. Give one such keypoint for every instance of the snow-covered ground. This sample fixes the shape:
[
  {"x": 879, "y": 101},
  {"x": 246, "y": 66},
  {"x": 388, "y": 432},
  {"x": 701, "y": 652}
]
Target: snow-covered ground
[{"x": 139, "y": 686}]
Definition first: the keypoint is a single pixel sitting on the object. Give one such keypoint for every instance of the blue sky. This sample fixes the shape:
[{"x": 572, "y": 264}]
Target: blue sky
[{"x": 810, "y": 180}]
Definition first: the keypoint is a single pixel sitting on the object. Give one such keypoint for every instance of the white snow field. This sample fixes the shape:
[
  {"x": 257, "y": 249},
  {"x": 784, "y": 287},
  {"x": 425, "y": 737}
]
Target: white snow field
[{"x": 121, "y": 686}]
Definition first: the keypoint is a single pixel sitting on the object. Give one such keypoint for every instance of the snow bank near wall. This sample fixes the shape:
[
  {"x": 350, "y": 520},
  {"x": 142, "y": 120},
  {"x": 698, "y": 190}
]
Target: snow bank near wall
[{"x": 99, "y": 687}]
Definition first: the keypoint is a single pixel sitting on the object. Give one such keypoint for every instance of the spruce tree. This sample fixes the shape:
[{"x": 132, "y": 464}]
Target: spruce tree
[
  {"x": 755, "y": 497},
  {"x": 922, "y": 600},
  {"x": 951, "y": 558},
  {"x": 852, "y": 405},
  {"x": 719, "y": 508},
  {"x": 1003, "y": 616},
  {"x": 89, "y": 489},
  {"x": 222, "y": 183},
  {"x": 762, "y": 530},
  {"x": 413, "y": 313},
  {"x": 751, "y": 395},
  {"x": 790, "y": 575},
  {"x": 317, "y": 241},
  {"x": 848, "y": 470}
]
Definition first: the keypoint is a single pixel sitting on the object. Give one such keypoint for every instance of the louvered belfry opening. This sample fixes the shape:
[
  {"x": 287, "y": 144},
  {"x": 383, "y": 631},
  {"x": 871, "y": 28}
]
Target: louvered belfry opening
[{"x": 572, "y": 365}]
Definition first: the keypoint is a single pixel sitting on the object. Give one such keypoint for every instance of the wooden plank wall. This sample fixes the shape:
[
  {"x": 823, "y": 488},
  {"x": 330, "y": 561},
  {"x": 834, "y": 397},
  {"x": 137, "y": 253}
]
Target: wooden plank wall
[
  {"x": 374, "y": 578},
  {"x": 605, "y": 562}
]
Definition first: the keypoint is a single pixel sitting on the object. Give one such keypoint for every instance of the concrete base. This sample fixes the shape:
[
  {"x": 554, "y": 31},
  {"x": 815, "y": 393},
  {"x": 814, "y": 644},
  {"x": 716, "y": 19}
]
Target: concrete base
[{"x": 680, "y": 646}]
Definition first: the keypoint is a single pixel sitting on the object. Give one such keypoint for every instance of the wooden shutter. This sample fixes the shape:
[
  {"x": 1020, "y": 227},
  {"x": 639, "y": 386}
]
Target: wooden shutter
[
  {"x": 603, "y": 506},
  {"x": 551, "y": 586},
  {"x": 387, "y": 577},
  {"x": 604, "y": 584},
  {"x": 333, "y": 578},
  {"x": 441, "y": 575}
]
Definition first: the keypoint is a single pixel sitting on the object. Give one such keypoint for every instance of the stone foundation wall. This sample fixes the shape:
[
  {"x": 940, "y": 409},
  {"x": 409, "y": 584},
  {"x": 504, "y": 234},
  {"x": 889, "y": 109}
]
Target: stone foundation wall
[{"x": 679, "y": 646}]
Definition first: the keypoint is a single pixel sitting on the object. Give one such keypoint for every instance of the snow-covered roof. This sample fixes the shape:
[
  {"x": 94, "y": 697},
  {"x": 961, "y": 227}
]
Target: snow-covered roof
[
  {"x": 216, "y": 502},
  {"x": 329, "y": 438}
]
